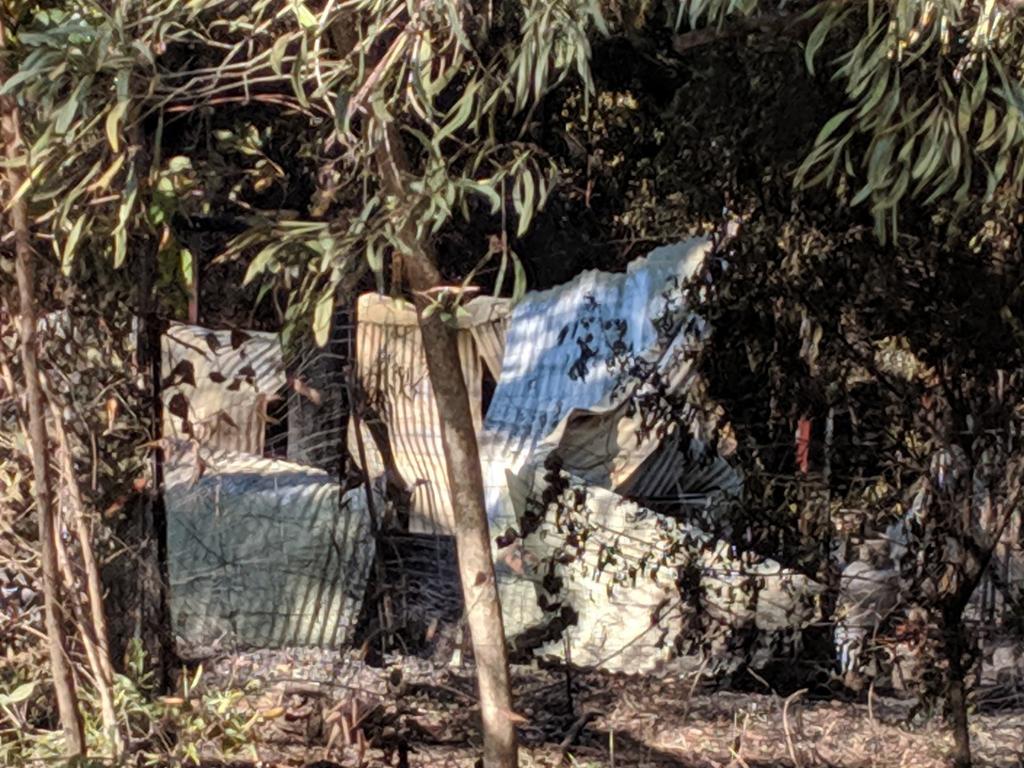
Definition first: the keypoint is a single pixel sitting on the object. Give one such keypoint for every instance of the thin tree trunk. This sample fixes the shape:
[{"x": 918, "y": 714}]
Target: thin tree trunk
[
  {"x": 956, "y": 694},
  {"x": 979, "y": 546},
  {"x": 472, "y": 533},
  {"x": 92, "y": 623},
  {"x": 152, "y": 622},
  {"x": 63, "y": 680}
]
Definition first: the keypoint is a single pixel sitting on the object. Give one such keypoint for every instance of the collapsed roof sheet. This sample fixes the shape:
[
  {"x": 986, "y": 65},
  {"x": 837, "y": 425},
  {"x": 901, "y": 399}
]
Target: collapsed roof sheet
[
  {"x": 392, "y": 371},
  {"x": 217, "y": 384},
  {"x": 587, "y": 366},
  {"x": 616, "y": 565}
]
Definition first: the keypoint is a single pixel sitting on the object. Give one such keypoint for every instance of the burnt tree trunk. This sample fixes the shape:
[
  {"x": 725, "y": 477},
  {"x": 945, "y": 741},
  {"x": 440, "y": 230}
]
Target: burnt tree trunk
[{"x": 60, "y": 664}]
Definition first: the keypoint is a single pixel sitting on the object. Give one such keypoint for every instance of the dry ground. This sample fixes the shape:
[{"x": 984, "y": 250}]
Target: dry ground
[{"x": 413, "y": 713}]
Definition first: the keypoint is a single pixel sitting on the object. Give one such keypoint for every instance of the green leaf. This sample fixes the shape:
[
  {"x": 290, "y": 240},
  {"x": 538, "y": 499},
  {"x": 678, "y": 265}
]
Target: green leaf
[
  {"x": 519, "y": 284},
  {"x": 500, "y": 280},
  {"x": 833, "y": 123},
  {"x": 322, "y": 318},
  {"x": 487, "y": 191},
  {"x": 879, "y": 161},
  {"x": 980, "y": 87},
  {"x": 120, "y": 247},
  {"x": 260, "y": 262},
  {"x": 31, "y": 69},
  {"x": 263, "y": 291},
  {"x": 305, "y": 16},
  {"x": 964, "y": 111},
  {"x": 598, "y": 18},
  {"x": 525, "y": 203},
  {"x": 68, "y": 256},
  {"x": 827, "y": 173},
  {"x": 906, "y": 152},
  {"x": 380, "y": 110},
  {"x": 21, "y": 693},
  {"x": 896, "y": 192},
  {"x": 697, "y": 8},
  {"x": 877, "y": 92},
  {"x": 108, "y": 175},
  {"x": 277, "y": 54},
  {"x": 66, "y": 114},
  {"x": 995, "y": 176},
  {"x": 862, "y": 195},
  {"x": 928, "y": 159},
  {"x": 374, "y": 257},
  {"x": 124, "y": 212},
  {"x": 187, "y": 266},
  {"x": 817, "y": 37},
  {"x": 989, "y": 134},
  {"x": 462, "y": 111},
  {"x": 179, "y": 163},
  {"x": 540, "y": 72}
]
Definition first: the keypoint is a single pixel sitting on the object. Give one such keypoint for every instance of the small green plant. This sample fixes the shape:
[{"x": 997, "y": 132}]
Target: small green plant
[
  {"x": 200, "y": 721},
  {"x": 171, "y": 731},
  {"x": 23, "y": 708}
]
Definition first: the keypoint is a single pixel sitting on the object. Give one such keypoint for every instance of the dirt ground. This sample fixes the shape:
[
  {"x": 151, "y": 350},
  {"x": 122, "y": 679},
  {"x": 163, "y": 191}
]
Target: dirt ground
[{"x": 414, "y": 713}]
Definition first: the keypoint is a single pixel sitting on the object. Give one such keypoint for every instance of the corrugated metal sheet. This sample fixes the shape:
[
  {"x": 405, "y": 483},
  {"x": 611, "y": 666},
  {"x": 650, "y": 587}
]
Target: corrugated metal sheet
[
  {"x": 262, "y": 553},
  {"x": 392, "y": 372},
  {"x": 226, "y": 378},
  {"x": 621, "y": 578},
  {"x": 579, "y": 359}
]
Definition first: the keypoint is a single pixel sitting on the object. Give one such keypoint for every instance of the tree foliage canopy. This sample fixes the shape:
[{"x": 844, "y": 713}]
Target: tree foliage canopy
[{"x": 926, "y": 112}]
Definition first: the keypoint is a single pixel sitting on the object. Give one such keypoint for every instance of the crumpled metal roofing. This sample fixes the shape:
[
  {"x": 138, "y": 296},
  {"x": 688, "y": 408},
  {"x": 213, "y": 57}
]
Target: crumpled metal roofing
[
  {"x": 587, "y": 373},
  {"x": 579, "y": 360},
  {"x": 572, "y": 364},
  {"x": 616, "y": 564}
]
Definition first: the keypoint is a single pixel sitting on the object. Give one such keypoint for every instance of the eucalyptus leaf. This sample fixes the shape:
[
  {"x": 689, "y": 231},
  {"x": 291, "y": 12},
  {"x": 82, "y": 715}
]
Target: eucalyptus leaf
[
  {"x": 322, "y": 317},
  {"x": 71, "y": 244},
  {"x": 21, "y": 694},
  {"x": 113, "y": 124}
]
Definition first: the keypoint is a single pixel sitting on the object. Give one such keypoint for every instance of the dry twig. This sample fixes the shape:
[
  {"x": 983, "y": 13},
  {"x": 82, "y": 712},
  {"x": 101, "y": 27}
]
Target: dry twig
[{"x": 785, "y": 725}]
